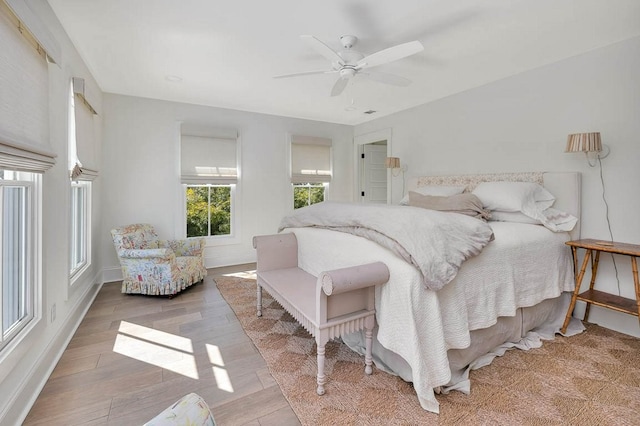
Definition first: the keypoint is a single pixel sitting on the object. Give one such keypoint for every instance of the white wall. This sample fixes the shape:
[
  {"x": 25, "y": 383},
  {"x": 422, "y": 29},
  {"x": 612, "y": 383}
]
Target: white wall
[
  {"x": 141, "y": 170},
  {"x": 25, "y": 370},
  {"x": 521, "y": 124}
]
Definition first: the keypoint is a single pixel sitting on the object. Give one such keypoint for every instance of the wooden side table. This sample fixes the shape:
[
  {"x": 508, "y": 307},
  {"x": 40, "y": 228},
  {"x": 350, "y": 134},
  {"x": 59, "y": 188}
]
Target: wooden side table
[{"x": 599, "y": 298}]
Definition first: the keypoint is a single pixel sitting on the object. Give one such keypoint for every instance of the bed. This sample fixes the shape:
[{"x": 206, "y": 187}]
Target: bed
[{"x": 512, "y": 292}]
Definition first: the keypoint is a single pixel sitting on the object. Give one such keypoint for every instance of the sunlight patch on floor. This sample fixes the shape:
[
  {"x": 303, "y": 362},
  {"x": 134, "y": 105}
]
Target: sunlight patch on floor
[
  {"x": 219, "y": 372},
  {"x": 169, "y": 351},
  {"x": 244, "y": 274},
  {"x": 165, "y": 350}
]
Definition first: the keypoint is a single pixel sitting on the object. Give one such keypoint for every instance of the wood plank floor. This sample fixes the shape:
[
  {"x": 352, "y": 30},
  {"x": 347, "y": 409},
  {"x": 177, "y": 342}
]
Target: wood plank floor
[{"x": 133, "y": 356}]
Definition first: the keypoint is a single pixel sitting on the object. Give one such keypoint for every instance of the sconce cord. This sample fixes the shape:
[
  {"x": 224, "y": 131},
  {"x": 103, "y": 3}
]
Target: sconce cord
[{"x": 613, "y": 259}]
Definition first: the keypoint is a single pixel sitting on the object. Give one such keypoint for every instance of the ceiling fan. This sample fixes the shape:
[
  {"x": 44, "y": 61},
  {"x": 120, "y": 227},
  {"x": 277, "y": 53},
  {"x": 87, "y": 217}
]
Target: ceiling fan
[{"x": 348, "y": 62}]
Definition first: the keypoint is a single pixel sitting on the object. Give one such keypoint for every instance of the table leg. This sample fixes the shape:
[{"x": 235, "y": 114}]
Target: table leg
[
  {"x": 577, "y": 289},
  {"x": 634, "y": 268},
  {"x": 594, "y": 272}
]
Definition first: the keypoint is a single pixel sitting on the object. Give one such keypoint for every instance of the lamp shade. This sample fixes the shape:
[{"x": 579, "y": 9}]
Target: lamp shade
[
  {"x": 392, "y": 163},
  {"x": 584, "y": 142}
]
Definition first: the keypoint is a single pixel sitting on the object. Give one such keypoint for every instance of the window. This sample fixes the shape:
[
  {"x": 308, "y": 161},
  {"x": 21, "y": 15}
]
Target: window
[
  {"x": 80, "y": 141},
  {"x": 209, "y": 210},
  {"x": 25, "y": 154},
  {"x": 209, "y": 173},
  {"x": 310, "y": 169},
  {"x": 305, "y": 194},
  {"x": 17, "y": 252},
  {"x": 80, "y": 230}
]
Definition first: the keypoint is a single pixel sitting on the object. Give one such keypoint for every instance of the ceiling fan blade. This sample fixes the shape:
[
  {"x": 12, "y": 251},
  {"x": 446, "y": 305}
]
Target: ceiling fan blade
[
  {"x": 390, "y": 54},
  {"x": 298, "y": 74},
  {"x": 322, "y": 48},
  {"x": 339, "y": 86},
  {"x": 383, "y": 77}
]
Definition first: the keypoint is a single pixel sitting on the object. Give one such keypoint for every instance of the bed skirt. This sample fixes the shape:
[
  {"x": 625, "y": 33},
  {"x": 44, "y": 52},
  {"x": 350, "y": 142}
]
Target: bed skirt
[{"x": 525, "y": 330}]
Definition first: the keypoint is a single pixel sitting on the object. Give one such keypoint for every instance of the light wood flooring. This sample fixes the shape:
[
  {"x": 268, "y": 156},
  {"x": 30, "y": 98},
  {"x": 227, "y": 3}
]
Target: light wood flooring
[{"x": 133, "y": 356}]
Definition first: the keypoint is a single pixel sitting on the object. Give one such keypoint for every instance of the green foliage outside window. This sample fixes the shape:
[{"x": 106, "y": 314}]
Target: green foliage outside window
[
  {"x": 305, "y": 194},
  {"x": 208, "y": 210}
]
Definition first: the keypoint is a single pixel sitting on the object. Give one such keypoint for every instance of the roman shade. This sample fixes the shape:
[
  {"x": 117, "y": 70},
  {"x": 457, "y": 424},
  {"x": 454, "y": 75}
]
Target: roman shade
[
  {"x": 81, "y": 133},
  {"x": 24, "y": 100},
  {"x": 208, "y": 155},
  {"x": 38, "y": 31},
  {"x": 310, "y": 159}
]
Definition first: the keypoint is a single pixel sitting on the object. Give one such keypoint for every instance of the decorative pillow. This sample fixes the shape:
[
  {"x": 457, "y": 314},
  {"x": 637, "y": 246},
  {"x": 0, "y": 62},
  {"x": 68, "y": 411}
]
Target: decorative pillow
[
  {"x": 526, "y": 197},
  {"x": 467, "y": 204},
  {"x": 436, "y": 190}
]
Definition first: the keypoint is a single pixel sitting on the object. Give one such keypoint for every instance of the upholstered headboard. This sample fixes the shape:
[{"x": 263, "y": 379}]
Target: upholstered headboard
[{"x": 565, "y": 186}]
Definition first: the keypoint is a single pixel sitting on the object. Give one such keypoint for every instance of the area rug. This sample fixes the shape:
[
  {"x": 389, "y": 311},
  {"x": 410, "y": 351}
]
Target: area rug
[{"x": 589, "y": 379}]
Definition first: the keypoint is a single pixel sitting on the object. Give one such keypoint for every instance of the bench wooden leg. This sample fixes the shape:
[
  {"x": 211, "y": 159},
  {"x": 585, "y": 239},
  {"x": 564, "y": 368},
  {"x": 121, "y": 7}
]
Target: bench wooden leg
[
  {"x": 259, "y": 298},
  {"x": 368, "y": 342},
  {"x": 368, "y": 338},
  {"x": 321, "y": 376}
]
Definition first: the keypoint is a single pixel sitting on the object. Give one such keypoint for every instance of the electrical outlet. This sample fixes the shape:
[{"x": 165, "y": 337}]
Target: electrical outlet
[{"x": 53, "y": 312}]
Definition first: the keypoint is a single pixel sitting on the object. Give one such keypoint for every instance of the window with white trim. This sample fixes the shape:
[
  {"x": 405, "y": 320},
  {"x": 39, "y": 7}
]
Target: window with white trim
[
  {"x": 25, "y": 154},
  {"x": 310, "y": 169},
  {"x": 80, "y": 141},
  {"x": 80, "y": 246},
  {"x": 17, "y": 191},
  {"x": 209, "y": 174}
]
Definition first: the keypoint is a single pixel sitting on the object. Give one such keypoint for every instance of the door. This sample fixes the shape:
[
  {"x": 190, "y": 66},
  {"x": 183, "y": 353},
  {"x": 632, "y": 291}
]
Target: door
[{"x": 374, "y": 173}]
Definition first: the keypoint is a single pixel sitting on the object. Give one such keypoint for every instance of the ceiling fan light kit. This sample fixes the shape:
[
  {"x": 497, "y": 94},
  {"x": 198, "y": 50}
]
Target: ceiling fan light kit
[{"x": 349, "y": 63}]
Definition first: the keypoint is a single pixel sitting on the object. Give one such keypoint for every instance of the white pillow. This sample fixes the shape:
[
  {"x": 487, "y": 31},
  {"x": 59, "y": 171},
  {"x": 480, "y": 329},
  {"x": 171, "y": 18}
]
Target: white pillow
[
  {"x": 525, "y": 197},
  {"x": 553, "y": 219},
  {"x": 517, "y": 217},
  {"x": 556, "y": 220},
  {"x": 435, "y": 190}
]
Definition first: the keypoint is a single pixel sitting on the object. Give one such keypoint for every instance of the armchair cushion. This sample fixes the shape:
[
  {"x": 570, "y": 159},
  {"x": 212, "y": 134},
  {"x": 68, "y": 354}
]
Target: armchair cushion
[
  {"x": 189, "y": 247},
  {"x": 157, "y": 267},
  {"x": 161, "y": 253}
]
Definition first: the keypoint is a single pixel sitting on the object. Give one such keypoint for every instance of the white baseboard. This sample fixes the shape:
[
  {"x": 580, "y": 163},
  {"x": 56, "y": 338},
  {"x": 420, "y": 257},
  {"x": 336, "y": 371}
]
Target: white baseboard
[{"x": 111, "y": 274}]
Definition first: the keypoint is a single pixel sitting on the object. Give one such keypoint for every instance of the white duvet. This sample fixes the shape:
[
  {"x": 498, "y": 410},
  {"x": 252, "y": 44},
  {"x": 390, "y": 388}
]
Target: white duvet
[
  {"x": 436, "y": 243},
  {"x": 420, "y": 325}
]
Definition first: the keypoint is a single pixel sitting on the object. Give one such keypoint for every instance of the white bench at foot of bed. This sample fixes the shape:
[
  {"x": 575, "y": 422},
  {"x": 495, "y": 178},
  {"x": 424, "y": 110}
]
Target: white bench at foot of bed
[{"x": 329, "y": 306}]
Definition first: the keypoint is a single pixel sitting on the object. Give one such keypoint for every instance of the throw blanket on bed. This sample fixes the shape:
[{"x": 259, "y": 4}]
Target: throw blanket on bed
[{"x": 435, "y": 242}]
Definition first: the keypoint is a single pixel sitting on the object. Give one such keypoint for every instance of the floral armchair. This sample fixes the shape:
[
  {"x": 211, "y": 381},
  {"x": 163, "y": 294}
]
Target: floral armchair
[{"x": 157, "y": 267}]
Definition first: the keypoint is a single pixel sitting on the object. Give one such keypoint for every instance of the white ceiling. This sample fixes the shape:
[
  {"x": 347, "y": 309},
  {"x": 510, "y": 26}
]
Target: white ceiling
[{"x": 226, "y": 52}]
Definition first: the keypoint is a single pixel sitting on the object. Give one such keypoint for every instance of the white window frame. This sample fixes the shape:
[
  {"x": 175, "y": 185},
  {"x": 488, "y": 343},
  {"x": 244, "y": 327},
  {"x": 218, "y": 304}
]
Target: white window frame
[
  {"x": 191, "y": 129},
  {"x": 30, "y": 268},
  {"x": 232, "y": 213},
  {"x": 310, "y": 185},
  {"x": 297, "y": 180},
  {"x": 80, "y": 224}
]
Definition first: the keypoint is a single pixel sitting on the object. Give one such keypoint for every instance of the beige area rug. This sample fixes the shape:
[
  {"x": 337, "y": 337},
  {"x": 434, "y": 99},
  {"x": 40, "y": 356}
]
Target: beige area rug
[{"x": 589, "y": 379}]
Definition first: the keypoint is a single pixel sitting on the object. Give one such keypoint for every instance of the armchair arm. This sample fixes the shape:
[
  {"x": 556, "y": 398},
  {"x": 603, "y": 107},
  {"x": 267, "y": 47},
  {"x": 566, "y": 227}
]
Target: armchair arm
[
  {"x": 160, "y": 253},
  {"x": 188, "y": 247}
]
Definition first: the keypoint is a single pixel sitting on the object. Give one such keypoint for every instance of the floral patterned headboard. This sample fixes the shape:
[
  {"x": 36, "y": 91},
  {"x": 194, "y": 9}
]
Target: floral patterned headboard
[{"x": 471, "y": 181}]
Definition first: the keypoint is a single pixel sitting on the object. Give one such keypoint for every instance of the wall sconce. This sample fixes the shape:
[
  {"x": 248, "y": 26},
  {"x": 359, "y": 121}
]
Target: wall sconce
[
  {"x": 393, "y": 163},
  {"x": 589, "y": 143}
]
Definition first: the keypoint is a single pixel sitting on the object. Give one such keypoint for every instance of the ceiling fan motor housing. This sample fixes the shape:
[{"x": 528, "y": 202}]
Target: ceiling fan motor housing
[
  {"x": 347, "y": 72},
  {"x": 348, "y": 41}
]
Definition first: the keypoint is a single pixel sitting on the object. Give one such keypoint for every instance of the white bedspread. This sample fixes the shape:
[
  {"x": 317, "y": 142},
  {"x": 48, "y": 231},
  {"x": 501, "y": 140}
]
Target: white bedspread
[
  {"x": 421, "y": 325},
  {"x": 437, "y": 243}
]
